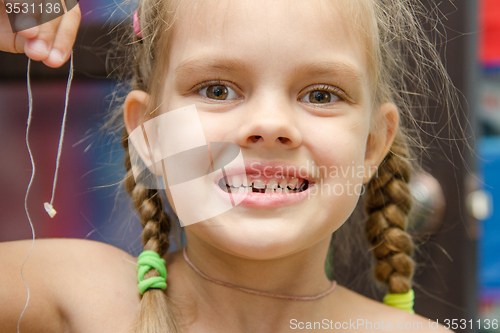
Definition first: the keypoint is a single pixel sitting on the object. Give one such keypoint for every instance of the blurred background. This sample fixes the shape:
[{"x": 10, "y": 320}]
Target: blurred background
[{"x": 457, "y": 225}]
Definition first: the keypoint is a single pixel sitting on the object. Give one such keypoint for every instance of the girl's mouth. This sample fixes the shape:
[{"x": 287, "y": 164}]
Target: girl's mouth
[
  {"x": 265, "y": 185},
  {"x": 238, "y": 184}
]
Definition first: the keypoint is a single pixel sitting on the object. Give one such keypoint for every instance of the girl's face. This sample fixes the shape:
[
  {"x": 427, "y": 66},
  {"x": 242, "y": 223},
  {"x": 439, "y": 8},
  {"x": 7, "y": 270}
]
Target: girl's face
[{"x": 287, "y": 82}]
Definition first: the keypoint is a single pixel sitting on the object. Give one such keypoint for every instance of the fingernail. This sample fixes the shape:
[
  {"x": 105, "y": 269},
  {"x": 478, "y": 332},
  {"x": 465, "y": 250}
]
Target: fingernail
[
  {"x": 40, "y": 46},
  {"x": 56, "y": 56}
]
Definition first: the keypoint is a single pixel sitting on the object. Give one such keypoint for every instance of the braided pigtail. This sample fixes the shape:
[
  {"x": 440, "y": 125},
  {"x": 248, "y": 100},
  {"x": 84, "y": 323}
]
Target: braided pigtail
[
  {"x": 388, "y": 204},
  {"x": 156, "y": 311}
]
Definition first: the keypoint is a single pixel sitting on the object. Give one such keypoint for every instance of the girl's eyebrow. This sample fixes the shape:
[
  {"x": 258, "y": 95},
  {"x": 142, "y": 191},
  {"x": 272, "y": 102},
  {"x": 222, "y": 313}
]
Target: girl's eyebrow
[
  {"x": 209, "y": 63},
  {"x": 347, "y": 71}
]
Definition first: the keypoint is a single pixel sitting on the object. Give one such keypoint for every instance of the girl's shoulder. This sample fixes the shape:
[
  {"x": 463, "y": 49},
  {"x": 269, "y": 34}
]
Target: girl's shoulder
[
  {"x": 75, "y": 285},
  {"x": 369, "y": 315}
]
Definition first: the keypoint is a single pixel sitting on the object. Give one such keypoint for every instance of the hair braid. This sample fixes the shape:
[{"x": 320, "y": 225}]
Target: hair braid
[
  {"x": 388, "y": 204},
  {"x": 156, "y": 310}
]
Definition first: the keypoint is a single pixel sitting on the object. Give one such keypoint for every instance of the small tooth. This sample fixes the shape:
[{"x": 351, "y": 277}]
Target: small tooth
[
  {"x": 245, "y": 180},
  {"x": 293, "y": 183},
  {"x": 279, "y": 190},
  {"x": 269, "y": 190},
  {"x": 242, "y": 190},
  {"x": 236, "y": 181},
  {"x": 259, "y": 183},
  {"x": 286, "y": 190},
  {"x": 283, "y": 182},
  {"x": 272, "y": 184}
]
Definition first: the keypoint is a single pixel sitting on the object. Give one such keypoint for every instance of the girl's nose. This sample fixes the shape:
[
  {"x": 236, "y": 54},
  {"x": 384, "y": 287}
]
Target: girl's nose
[{"x": 268, "y": 125}]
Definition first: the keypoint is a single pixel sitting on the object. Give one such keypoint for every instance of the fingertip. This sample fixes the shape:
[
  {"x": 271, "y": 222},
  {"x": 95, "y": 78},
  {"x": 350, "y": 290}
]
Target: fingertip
[
  {"x": 36, "y": 49},
  {"x": 55, "y": 59}
]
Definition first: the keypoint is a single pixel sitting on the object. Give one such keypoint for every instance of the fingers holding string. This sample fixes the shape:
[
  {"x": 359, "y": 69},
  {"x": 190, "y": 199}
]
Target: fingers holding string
[
  {"x": 19, "y": 21},
  {"x": 48, "y": 34},
  {"x": 49, "y": 15}
]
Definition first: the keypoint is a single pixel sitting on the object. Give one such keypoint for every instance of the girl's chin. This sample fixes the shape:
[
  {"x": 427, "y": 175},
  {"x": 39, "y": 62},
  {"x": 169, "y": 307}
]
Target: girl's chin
[{"x": 258, "y": 239}]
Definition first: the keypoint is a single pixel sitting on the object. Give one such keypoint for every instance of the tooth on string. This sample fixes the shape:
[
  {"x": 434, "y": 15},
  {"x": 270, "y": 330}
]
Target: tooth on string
[{"x": 50, "y": 209}]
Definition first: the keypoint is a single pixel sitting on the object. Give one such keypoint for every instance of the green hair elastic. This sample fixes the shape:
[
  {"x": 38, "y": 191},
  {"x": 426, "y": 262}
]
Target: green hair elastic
[
  {"x": 402, "y": 301},
  {"x": 148, "y": 260}
]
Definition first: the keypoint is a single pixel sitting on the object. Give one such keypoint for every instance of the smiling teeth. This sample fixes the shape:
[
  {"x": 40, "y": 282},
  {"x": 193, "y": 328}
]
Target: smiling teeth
[{"x": 239, "y": 184}]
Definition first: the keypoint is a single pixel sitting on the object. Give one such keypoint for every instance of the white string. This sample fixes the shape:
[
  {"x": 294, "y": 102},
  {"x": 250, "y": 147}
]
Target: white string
[
  {"x": 63, "y": 127},
  {"x": 30, "y": 99},
  {"x": 49, "y": 209}
]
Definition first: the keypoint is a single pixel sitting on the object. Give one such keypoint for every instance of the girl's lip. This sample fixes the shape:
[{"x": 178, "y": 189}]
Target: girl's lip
[
  {"x": 267, "y": 169},
  {"x": 263, "y": 200}
]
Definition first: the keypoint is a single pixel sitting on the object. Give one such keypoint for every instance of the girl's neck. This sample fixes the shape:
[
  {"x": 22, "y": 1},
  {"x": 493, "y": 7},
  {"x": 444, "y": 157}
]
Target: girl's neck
[
  {"x": 298, "y": 274},
  {"x": 200, "y": 301},
  {"x": 257, "y": 292}
]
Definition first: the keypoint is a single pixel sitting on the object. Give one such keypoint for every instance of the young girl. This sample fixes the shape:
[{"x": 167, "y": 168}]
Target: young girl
[{"x": 312, "y": 93}]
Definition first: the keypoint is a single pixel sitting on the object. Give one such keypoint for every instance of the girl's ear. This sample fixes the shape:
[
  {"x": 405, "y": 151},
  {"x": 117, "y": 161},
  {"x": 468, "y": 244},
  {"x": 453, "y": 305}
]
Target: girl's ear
[
  {"x": 135, "y": 109},
  {"x": 380, "y": 138},
  {"x": 134, "y": 112}
]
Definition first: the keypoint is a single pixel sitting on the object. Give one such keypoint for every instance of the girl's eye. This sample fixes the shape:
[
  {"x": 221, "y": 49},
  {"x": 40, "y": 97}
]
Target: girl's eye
[
  {"x": 319, "y": 97},
  {"x": 218, "y": 92}
]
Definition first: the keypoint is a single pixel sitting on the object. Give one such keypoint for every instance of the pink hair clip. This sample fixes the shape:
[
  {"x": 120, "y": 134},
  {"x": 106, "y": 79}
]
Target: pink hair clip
[{"x": 137, "y": 25}]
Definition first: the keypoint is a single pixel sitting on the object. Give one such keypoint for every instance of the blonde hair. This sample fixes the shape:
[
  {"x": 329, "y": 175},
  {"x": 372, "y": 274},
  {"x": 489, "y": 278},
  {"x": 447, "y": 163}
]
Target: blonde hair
[{"x": 402, "y": 59}]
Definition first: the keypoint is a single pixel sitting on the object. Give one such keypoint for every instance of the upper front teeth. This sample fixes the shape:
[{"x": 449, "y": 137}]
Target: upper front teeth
[{"x": 277, "y": 184}]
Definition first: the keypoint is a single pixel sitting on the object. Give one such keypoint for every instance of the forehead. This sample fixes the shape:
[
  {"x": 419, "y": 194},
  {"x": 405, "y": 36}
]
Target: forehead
[{"x": 270, "y": 37}]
